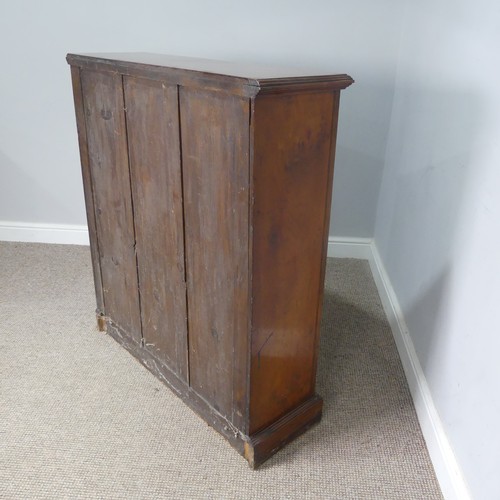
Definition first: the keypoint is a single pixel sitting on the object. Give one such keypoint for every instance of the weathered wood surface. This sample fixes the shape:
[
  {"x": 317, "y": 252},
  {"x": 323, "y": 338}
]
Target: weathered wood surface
[
  {"x": 214, "y": 131},
  {"x": 108, "y": 161},
  {"x": 154, "y": 152}
]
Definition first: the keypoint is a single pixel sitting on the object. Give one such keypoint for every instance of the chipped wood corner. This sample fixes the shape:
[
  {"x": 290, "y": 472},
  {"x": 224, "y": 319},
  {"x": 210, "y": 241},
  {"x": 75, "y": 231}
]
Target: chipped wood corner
[
  {"x": 101, "y": 322},
  {"x": 248, "y": 453}
]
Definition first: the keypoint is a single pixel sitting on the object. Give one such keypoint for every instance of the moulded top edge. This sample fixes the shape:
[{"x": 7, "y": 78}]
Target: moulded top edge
[{"x": 265, "y": 77}]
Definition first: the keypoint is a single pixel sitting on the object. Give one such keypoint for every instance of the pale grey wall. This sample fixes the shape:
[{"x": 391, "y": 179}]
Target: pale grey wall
[
  {"x": 437, "y": 226},
  {"x": 39, "y": 164}
]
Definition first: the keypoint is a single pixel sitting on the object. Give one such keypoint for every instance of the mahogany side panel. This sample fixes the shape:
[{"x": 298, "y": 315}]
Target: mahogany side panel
[
  {"x": 154, "y": 155},
  {"x": 108, "y": 161},
  {"x": 215, "y": 157},
  {"x": 291, "y": 177}
]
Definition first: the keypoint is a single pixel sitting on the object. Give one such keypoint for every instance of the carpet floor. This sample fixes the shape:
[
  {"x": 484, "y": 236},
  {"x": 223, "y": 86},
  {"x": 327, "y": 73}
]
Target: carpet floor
[{"x": 81, "y": 418}]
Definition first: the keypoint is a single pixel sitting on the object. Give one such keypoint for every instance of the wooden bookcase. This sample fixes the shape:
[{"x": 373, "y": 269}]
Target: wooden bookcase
[{"x": 208, "y": 188}]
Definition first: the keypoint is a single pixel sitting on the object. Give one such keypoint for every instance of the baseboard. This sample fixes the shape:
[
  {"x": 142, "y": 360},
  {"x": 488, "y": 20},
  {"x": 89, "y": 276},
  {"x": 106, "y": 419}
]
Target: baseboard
[
  {"x": 32, "y": 232},
  {"x": 447, "y": 469},
  {"x": 350, "y": 248}
]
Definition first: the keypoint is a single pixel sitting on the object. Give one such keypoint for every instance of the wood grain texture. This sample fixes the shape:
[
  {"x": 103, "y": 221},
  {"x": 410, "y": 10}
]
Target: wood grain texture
[
  {"x": 108, "y": 161},
  {"x": 215, "y": 135},
  {"x": 154, "y": 155},
  {"x": 87, "y": 187},
  {"x": 291, "y": 175}
]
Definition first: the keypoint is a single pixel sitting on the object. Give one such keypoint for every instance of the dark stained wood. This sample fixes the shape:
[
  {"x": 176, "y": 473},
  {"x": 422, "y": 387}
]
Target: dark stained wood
[
  {"x": 267, "y": 442},
  {"x": 108, "y": 161},
  {"x": 243, "y": 79},
  {"x": 290, "y": 182},
  {"x": 214, "y": 131},
  {"x": 153, "y": 138},
  {"x": 208, "y": 192},
  {"x": 87, "y": 188}
]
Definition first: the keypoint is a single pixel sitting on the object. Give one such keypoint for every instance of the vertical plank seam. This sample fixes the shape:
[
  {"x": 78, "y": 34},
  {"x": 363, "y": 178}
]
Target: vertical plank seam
[
  {"x": 124, "y": 111},
  {"x": 92, "y": 191},
  {"x": 246, "y": 419},
  {"x": 184, "y": 248}
]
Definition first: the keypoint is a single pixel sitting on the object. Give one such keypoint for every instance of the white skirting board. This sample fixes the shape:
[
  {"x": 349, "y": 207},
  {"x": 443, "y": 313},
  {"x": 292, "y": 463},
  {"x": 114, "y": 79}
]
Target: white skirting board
[
  {"x": 350, "y": 248},
  {"x": 32, "y": 232},
  {"x": 447, "y": 469}
]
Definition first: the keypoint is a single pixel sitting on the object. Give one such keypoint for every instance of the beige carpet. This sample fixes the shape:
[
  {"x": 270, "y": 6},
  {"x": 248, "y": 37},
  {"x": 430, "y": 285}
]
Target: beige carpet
[{"x": 80, "y": 418}]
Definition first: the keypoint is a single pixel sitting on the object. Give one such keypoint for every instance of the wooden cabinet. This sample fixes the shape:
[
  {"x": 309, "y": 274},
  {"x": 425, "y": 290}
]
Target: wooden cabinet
[{"x": 208, "y": 188}]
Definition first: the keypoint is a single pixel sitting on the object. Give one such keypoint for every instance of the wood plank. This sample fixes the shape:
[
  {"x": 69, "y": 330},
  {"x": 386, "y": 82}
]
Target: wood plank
[
  {"x": 153, "y": 137},
  {"x": 108, "y": 161},
  {"x": 87, "y": 187},
  {"x": 291, "y": 175},
  {"x": 215, "y": 158}
]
